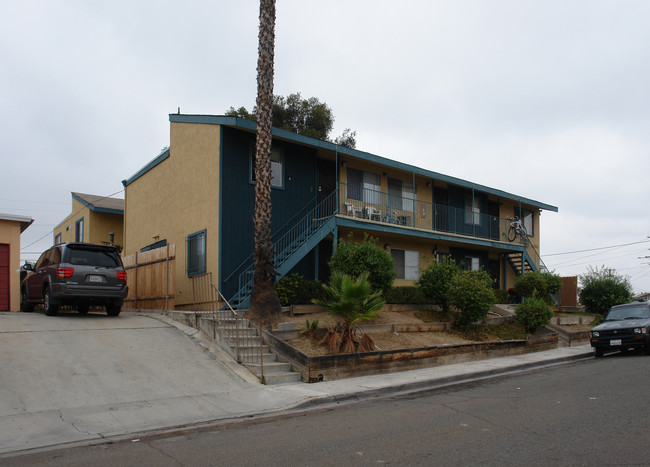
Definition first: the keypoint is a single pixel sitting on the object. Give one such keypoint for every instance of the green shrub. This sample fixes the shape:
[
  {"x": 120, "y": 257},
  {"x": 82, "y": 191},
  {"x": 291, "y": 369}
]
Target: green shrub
[
  {"x": 356, "y": 258},
  {"x": 501, "y": 296},
  {"x": 436, "y": 282},
  {"x": 406, "y": 295},
  {"x": 472, "y": 293},
  {"x": 603, "y": 288},
  {"x": 533, "y": 313},
  {"x": 294, "y": 289},
  {"x": 539, "y": 284}
]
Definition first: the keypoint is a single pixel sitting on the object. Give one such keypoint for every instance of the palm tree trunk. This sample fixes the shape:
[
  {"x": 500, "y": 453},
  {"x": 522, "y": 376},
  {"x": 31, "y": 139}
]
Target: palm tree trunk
[{"x": 264, "y": 304}]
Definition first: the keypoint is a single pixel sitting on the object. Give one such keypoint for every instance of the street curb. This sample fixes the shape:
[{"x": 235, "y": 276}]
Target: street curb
[
  {"x": 313, "y": 404},
  {"x": 437, "y": 383}
]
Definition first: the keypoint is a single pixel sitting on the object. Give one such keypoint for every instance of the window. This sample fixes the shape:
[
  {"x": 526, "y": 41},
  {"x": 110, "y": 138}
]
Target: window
[
  {"x": 277, "y": 167},
  {"x": 57, "y": 239},
  {"x": 472, "y": 210},
  {"x": 407, "y": 264},
  {"x": 79, "y": 230},
  {"x": 472, "y": 263},
  {"x": 364, "y": 186},
  {"x": 401, "y": 194},
  {"x": 196, "y": 254},
  {"x": 526, "y": 218}
]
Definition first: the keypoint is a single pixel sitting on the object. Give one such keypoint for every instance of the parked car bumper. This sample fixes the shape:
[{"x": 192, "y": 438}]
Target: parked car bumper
[
  {"x": 69, "y": 293},
  {"x": 622, "y": 341}
]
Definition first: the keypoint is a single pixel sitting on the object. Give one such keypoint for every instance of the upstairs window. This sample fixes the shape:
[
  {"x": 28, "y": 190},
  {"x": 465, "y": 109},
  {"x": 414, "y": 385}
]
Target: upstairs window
[
  {"x": 277, "y": 167},
  {"x": 401, "y": 194},
  {"x": 472, "y": 210},
  {"x": 526, "y": 217},
  {"x": 364, "y": 186},
  {"x": 79, "y": 230},
  {"x": 196, "y": 254}
]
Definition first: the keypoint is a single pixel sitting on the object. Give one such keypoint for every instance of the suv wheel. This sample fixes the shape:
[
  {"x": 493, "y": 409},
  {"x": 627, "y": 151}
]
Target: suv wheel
[
  {"x": 600, "y": 352},
  {"x": 25, "y": 306},
  {"x": 113, "y": 310},
  {"x": 50, "y": 309}
]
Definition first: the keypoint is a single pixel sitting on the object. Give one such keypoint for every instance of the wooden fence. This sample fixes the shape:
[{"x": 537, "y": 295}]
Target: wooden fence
[{"x": 151, "y": 279}]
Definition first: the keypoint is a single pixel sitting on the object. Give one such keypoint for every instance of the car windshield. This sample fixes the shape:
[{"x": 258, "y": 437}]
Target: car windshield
[
  {"x": 628, "y": 312},
  {"x": 99, "y": 258}
]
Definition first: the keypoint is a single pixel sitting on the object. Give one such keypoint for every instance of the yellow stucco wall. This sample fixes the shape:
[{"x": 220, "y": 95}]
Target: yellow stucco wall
[
  {"x": 10, "y": 235},
  {"x": 178, "y": 197}
]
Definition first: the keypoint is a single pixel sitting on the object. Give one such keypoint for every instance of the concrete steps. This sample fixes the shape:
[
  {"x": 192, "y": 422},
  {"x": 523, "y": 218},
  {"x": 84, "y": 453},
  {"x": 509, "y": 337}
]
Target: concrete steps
[{"x": 231, "y": 332}]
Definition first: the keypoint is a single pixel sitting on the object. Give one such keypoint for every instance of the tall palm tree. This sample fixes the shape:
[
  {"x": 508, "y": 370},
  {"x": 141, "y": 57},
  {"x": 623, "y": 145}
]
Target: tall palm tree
[{"x": 264, "y": 304}]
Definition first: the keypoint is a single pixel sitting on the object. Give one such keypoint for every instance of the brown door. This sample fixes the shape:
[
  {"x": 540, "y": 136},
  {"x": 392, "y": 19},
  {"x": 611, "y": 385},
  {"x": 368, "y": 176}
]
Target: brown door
[{"x": 4, "y": 278}]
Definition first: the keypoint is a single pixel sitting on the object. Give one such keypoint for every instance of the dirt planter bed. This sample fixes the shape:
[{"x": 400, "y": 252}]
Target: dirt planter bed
[{"x": 332, "y": 367}]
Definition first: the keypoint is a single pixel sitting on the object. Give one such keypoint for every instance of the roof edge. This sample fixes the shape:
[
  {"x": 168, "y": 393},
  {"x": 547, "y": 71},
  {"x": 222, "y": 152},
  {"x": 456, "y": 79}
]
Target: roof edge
[
  {"x": 150, "y": 165},
  {"x": 250, "y": 125}
]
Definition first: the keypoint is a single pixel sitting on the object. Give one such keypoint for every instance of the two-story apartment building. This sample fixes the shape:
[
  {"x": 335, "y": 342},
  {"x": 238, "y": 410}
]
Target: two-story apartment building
[
  {"x": 94, "y": 219},
  {"x": 199, "y": 195}
]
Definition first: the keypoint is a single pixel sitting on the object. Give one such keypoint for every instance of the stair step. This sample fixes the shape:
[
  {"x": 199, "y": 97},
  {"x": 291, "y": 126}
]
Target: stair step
[{"x": 269, "y": 368}]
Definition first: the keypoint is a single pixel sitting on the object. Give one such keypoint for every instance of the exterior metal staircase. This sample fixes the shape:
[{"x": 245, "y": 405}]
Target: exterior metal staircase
[
  {"x": 520, "y": 262},
  {"x": 291, "y": 245}
]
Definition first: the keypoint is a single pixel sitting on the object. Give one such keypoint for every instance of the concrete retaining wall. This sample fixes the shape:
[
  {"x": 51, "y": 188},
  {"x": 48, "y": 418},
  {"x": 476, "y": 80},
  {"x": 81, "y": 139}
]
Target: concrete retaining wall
[{"x": 331, "y": 367}]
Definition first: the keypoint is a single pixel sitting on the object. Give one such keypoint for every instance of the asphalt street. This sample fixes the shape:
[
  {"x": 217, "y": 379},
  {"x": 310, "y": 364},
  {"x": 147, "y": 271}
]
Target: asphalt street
[{"x": 590, "y": 412}]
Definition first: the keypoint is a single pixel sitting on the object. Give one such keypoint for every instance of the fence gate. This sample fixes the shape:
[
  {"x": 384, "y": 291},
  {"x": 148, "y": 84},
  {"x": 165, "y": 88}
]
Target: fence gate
[{"x": 150, "y": 276}]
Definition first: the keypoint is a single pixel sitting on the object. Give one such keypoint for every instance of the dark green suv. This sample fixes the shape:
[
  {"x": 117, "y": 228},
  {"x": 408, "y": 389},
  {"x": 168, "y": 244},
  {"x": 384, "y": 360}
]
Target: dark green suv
[{"x": 78, "y": 274}]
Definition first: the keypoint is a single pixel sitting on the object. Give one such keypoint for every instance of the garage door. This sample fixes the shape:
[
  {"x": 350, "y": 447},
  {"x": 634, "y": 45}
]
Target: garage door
[{"x": 4, "y": 277}]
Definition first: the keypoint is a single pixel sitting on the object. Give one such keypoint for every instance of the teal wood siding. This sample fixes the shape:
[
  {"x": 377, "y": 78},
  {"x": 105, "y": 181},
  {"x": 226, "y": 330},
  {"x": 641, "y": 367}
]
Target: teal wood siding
[{"x": 238, "y": 197}]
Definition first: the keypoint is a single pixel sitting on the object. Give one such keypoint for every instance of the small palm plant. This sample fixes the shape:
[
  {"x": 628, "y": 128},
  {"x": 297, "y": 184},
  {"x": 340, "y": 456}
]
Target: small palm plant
[{"x": 352, "y": 300}]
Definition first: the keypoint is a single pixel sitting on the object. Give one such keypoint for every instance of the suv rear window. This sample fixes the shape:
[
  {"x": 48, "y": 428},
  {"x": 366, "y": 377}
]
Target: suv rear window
[{"x": 101, "y": 258}]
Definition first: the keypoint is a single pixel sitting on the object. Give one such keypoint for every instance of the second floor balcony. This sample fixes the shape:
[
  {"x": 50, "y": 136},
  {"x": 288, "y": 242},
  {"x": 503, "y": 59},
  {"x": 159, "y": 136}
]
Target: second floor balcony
[{"x": 406, "y": 211}]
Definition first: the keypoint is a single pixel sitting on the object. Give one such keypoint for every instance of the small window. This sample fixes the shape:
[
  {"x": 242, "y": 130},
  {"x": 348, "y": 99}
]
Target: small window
[
  {"x": 407, "y": 264},
  {"x": 472, "y": 263},
  {"x": 57, "y": 239},
  {"x": 277, "y": 167},
  {"x": 196, "y": 254},
  {"x": 79, "y": 230}
]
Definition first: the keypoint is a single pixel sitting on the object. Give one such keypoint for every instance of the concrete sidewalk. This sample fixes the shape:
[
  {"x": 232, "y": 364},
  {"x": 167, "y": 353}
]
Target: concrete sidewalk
[{"x": 231, "y": 395}]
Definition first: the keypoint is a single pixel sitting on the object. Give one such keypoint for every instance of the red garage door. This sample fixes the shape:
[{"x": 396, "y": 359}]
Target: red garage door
[{"x": 4, "y": 277}]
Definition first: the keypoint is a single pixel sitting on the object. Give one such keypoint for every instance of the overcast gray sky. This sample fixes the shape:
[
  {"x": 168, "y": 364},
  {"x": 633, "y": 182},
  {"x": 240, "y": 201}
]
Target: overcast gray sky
[{"x": 549, "y": 100}]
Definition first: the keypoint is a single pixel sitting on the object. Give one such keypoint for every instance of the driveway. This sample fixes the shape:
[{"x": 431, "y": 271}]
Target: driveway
[{"x": 77, "y": 378}]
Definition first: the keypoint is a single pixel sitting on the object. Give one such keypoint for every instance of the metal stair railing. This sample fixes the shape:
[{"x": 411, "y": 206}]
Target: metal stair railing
[
  {"x": 299, "y": 234},
  {"x": 236, "y": 334},
  {"x": 245, "y": 264}
]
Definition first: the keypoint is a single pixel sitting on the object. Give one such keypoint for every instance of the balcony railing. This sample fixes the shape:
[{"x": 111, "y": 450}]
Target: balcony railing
[{"x": 373, "y": 205}]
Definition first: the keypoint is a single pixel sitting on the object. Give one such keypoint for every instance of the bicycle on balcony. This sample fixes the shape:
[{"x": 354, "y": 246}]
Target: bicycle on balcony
[
  {"x": 391, "y": 216},
  {"x": 516, "y": 228}
]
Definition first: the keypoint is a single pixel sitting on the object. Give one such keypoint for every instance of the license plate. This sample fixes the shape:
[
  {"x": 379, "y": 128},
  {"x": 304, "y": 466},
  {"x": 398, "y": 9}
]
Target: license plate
[
  {"x": 614, "y": 342},
  {"x": 95, "y": 279}
]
